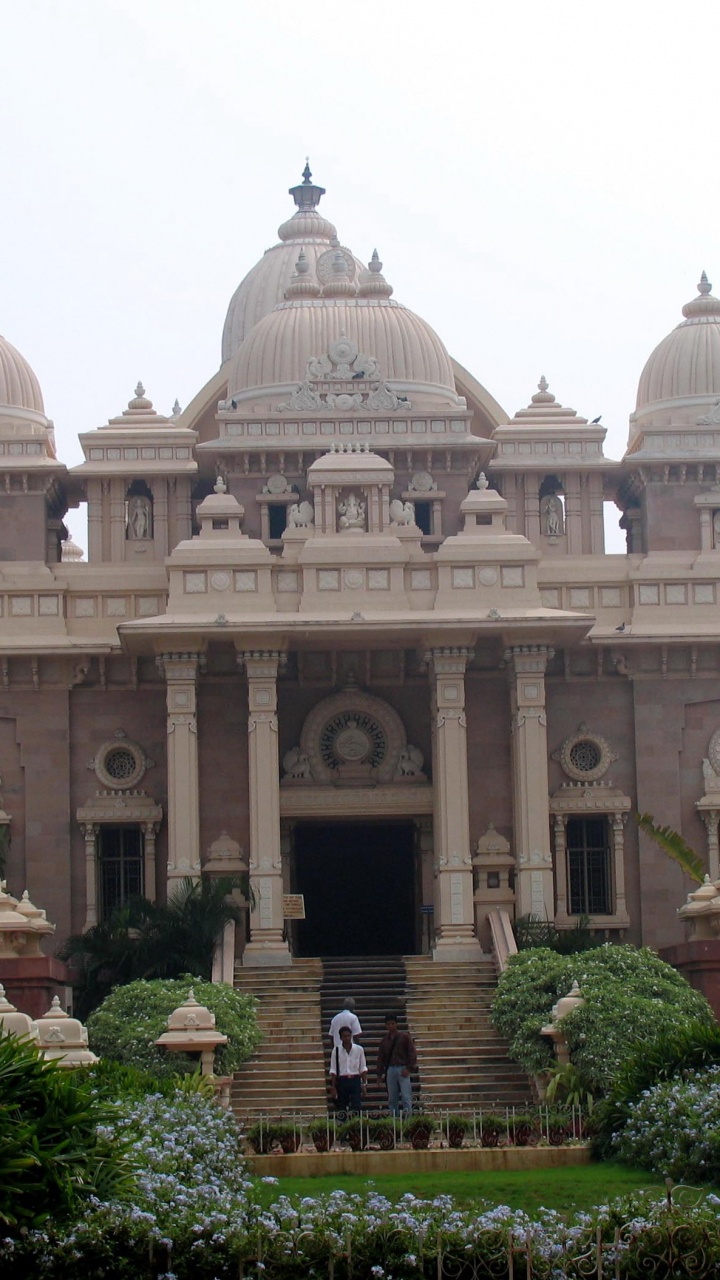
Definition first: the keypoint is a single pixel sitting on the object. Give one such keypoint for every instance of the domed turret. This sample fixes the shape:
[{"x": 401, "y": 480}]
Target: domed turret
[
  {"x": 19, "y": 388},
  {"x": 267, "y": 283},
  {"x": 683, "y": 373}
]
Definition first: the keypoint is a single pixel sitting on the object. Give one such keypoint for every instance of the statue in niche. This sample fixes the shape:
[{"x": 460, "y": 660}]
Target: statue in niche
[
  {"x": 300, "y": 515},
  {"x": 351, "y": 512},
  {"x": 551, "y": 516},
  {"x": 716, "y": 530},
  {"x": 139, "y": 519}
]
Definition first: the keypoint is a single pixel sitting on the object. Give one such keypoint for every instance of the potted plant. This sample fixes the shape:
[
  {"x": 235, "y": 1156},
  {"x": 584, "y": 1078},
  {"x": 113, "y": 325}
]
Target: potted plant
[
  {"x": 261, "y": 1137},
  {"x": 492, "y": 1129},
  {"x": 355, "y": 1133},
  {"x": 288, "y": 1135},
  {"x": 318, "y": 1131},
  {"x": 418, "y": 1130},
  {"x": 382, "y": 1131},
  {"x": 457, "y": 1127},
  {"x": 524, "y": 1129}
]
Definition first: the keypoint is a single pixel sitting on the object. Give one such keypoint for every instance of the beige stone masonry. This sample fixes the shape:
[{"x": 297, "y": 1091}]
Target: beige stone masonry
[
  {"x": 181, "y": 672},
  {"x": 534, "y": 888}
]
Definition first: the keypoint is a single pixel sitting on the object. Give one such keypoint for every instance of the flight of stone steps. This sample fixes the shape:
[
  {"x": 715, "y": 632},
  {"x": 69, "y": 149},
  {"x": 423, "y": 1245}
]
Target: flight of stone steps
[
  {"x": 462, "y": 1058},
  {"x": 377, "y": 985},
  {"x": 287, "y": 1072},
  {"x": 463, "y": 1062}
]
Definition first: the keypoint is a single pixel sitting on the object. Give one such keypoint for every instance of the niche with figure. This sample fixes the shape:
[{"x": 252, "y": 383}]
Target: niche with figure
[
  {"x": 552, "y": 508},
  {"x": 139, "y": 512}
]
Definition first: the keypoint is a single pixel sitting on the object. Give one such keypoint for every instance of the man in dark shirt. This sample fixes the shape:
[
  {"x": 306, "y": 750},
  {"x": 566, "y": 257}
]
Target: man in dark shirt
[{"x": 396, "y": 1059}]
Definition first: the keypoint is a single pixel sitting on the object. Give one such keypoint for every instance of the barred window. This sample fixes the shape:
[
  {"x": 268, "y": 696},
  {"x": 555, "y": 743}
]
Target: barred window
[
  {"x": 589, "y": 864},
  {"x": 121, "y": 867}
]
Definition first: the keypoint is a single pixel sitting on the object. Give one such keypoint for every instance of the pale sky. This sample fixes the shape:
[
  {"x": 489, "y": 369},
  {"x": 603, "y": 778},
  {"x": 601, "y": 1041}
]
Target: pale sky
[{"x": 540, "y": 180}]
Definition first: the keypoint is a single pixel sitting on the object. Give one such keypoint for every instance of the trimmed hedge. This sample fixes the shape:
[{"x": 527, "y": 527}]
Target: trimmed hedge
[{"x": 127, "y": 1023}]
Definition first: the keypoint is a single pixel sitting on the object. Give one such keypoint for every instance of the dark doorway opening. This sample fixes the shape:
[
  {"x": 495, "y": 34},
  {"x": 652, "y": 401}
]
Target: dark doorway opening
[{"x": 358, "y": 879}]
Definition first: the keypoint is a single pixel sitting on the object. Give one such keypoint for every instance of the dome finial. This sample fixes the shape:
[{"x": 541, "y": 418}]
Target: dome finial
[
  {"x": 543, "y": 384},
  {"x": 302, "y": 284},
  {"x": 704, "y": 285},
  {"x": 139, "y": 390},
  {"x": 306, "y": 194},
  {"x": 372, "y": 282}
]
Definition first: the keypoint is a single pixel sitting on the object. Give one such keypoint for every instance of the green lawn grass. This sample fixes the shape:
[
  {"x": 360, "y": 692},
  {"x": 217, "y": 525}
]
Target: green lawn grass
[{"x": 579, "y": 1187}]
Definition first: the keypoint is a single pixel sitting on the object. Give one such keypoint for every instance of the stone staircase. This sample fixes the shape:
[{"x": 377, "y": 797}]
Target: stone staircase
[
  {"x": 287, "y": 1071},
  {"x": 377, "y": 985},
  {"x": 463, "y": 1060}
]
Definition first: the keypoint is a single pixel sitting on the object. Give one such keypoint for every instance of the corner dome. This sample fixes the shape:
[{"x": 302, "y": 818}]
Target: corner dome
[
  {"x": 686, "y": 364},
  {"x": 265, "y": 284},
  {"x": 407, "y": 353},
  {"x": 19, "y": 388}
]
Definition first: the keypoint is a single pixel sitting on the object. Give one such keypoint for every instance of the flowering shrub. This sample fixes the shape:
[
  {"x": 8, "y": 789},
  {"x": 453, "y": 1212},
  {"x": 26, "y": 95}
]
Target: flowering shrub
[
  {"x": 367, "y": 1236},
  {"x": 132, "y": 1017},
  {"x": 630, "y": 992},
  {"x": 674, "y": 1128}
]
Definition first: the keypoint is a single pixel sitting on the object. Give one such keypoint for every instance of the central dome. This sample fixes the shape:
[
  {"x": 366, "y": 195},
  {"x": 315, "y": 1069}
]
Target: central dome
[{"x": 264, "y": 286}]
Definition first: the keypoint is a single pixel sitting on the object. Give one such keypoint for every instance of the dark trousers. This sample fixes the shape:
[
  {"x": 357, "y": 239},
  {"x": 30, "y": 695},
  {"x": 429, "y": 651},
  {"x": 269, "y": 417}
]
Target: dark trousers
[{"x": 348, "y": 1093}]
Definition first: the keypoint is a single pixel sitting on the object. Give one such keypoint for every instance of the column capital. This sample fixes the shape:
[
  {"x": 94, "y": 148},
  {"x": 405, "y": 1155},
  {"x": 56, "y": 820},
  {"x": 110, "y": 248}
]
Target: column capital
[
  {"x": 528, "y": 658},
  {"x": 180, "y": 666},
  {"x": 449, "y": 659},
  {"x": 261, "y": 664}
]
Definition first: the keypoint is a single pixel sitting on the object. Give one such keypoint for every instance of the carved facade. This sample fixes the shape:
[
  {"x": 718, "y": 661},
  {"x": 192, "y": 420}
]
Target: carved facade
[{"x": 345, "y": 599}]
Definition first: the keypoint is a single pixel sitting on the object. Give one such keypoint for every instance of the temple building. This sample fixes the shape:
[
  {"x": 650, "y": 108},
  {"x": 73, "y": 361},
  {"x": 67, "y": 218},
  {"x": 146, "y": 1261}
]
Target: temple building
[{"x": 347, "y": 624}]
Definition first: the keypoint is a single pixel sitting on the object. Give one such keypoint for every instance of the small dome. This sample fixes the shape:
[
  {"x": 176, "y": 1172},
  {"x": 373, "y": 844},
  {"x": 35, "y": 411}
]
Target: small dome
[
  {"x": 407, "y": 351},
  {"x": 686, "y": 364},
  {"x": 266, "y": 284},
  {"x": 19, "y": 388}
]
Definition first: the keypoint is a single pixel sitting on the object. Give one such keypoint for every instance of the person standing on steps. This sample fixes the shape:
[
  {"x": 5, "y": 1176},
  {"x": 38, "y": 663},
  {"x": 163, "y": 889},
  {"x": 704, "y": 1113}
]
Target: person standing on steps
[
  {"x": 348, "y": 1073},
  {"x": 396, "y": 1059},
  {"x": 345, "y": 1018}
]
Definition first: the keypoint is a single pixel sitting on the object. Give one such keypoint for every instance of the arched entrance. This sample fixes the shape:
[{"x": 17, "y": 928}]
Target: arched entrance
[{"x": 361, "y": 884}]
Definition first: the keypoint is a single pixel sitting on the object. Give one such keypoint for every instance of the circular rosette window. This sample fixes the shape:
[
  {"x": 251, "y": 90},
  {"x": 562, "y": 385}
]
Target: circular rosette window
[
  {"x": 585, "y": 757},
  {"x": 120, "y": 765},
  {"x": 352, "y": 737}
]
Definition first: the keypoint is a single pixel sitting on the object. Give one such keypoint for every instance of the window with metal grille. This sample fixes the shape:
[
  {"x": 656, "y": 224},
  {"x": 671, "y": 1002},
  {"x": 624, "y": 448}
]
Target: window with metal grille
[
  {"x": 121, "y": 867},
  {"x": 589, "y": 862}
]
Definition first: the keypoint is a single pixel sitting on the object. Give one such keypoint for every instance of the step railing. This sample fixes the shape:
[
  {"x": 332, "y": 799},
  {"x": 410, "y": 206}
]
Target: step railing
[{"x": 502, "y": 938}]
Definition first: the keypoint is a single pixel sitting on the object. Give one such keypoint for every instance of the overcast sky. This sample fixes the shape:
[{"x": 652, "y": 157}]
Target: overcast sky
[{"x": 540, "y": 179}]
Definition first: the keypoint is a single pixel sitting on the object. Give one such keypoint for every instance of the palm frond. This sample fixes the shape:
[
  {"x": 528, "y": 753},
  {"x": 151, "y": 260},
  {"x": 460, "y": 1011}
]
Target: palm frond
[{"x": 673, "y": 844}]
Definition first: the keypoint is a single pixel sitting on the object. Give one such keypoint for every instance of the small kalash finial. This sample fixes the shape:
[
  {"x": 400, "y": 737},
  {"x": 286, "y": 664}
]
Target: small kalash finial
[
  {"x": 139, "y": 390},
  {"x": 543, "y": 384},
  {"x": 176, "y": 410},
  {"x": 375, "y": 265},
  {"x": 306, "y": 194},
  {"x": 704, "y": 286},
  {"x": 302, "y": 266},
  {"x": 220, "y": 485}
]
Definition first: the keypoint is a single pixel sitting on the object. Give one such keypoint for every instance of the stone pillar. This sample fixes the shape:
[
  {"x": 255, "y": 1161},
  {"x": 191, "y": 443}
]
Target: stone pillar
[
  {"x": 561, "y": 866},
  {"x": 710, "y": 817},
  {"x": 573, "y": 514},
  {"x": 90, "y": 831},
  {"x": 180, "y": 671},
  {"x": 534, "y": 888},
  {"x": 455, "y": 937},
  {"x": 267, "y": 945},
  {"x": 149, "y": 830}
]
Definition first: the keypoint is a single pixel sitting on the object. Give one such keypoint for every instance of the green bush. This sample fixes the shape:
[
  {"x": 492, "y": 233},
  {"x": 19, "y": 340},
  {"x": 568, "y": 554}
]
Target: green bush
[
  {"x": 51, "y": 1155},
  {"x": 630, "y": 994},
  {"x": 132, "y": 1017}
]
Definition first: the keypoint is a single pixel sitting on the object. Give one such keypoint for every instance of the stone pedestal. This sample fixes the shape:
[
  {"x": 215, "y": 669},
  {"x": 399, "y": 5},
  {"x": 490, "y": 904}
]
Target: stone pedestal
[
  {"x": 534, "y": 889},
  {"x": 699, "y": 961},
  {"x": 30, "y": 982},
  {"x": 267, "y": 945},
  {"x": 180, "y": 671},
  {"x": 455, "y": 937}
]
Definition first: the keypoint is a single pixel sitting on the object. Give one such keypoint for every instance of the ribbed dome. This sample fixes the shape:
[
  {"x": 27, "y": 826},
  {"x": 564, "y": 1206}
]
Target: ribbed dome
[
  {"x": 19, "y": 388},
  {"x": 264, "y": 286},
  {"x": 275, "y": 353},
  {"x": 686, "y": 364}
]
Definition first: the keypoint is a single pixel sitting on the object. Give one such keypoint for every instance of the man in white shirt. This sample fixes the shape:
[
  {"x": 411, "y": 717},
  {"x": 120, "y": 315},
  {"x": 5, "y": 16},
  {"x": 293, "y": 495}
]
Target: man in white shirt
[
  {"x": 348, "y": 1073},
  {"x": 345, "y": 1018}
]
